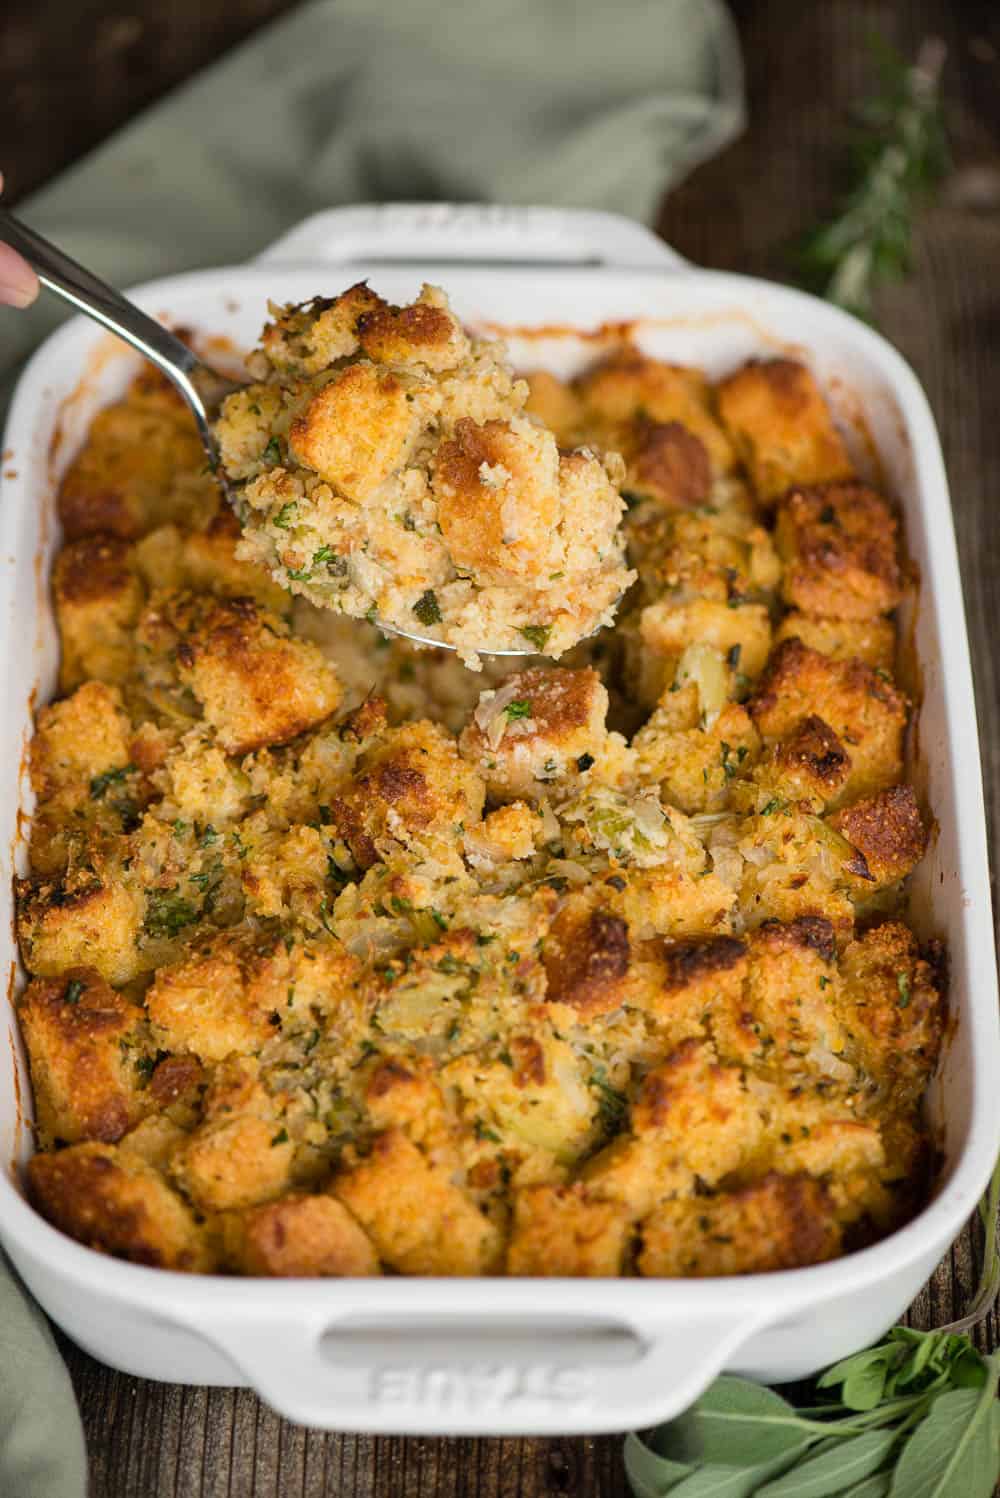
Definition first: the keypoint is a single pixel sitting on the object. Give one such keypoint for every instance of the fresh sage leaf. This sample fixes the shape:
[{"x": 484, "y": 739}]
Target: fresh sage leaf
[
  {"x": 720, "y": 1482},
  {"x": 712, "y": 1481},
  {"x": 650, "y": 1475},
  {"x": 873, "y": 1487},
  {"x": 737, "y": 1423},
  {"x": 953, "y": 1451},
  {"x": 849, "y": 1461},
  {"x": 840, "y": 1372},
  {"x": 863, "y": 1387}
]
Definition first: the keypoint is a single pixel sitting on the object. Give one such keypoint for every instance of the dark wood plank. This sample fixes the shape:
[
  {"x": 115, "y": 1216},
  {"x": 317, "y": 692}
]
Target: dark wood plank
[{"x": 70, "y": 81}]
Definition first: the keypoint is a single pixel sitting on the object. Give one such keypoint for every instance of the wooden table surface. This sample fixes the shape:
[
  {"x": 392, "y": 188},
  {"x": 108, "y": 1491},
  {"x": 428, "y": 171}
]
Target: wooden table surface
[{"x": 71, "y": 73}]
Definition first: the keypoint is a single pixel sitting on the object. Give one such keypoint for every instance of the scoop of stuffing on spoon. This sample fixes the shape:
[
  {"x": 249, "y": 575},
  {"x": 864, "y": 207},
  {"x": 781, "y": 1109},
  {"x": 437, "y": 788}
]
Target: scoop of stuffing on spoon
[{"x": 383, "y": 467}]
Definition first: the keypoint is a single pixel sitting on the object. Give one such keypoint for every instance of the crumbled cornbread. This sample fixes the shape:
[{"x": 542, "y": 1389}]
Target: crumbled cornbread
[
  {"x": 345, "y": 959},
  {"x": 387, "y": 470}
]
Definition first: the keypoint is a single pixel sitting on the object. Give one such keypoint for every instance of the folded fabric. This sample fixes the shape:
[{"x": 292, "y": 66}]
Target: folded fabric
[
  {"x": 42, "y": 1454},
  {"x": 518, "y": 101}
]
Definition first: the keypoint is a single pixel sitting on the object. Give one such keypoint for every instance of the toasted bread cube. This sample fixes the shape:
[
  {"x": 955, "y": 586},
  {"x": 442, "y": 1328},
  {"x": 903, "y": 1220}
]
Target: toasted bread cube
[
  {"x": 84, "y": 920},
  {"x": 630, "y": 385},
  {"x": 538, "y": 1099},
  {"x": 299, "y": 1236},
  {"x": 591, "y": 508},
  {"x": 153, "y": 1140},
  {"x": 895, "y": 1009},
  {"x": 870, "y": 640},
  {"x": 586, "y": 956},
  {"x": 84, "y": 1045},
  {"x": 561, "y": 1230},
  {"x": 237, "y": 990},
  {"x": 786, "y": 1015},
  {"x": 402, "y": 1093},
  {"x": 207, "y": 786},
  {"x": 699, "y": 1114},
  {"x": 255, "y": 683},
  {"x": 554, "y": 404},
  {"x": 142, "y": 464},
  {"x": 235, "y": 1161},
  {"x": 667, "y": 463},
  {"x": 304, "y": 339},
  {"x": 887, "y": 830},
  {"x": 83, "y": 771},
  {"x": 694, "y": 768},
  {"x": 838, "y": 544},
  {"x": 411, "y": 787},
  {"x": 98, "y": 598},
  {"x": 863, "y": 709},
  {"x": 784, "y": 893},
  {"x": 787, "y": 962},
  {"x": 210, "y": 564},
  {"x": 79, "y": 739},
  {"x": 667, "y": 628},
  {"x": 703, "y": 553},
  {"x": 692, "y": 1123},
  {"x": 511, "y": 832},
  {"x": 694, "y": 977},
  {"x": 810, "y": 765},
  {"x": 177, "y": 1086},
  {"x": 780, "y": 1222},
  {"x": 778, "y": 421},
  {"x": 110, "y": 1199},
  {"x": 425, "y": 333},
  {"x": 419, "y": 1222},
  {"x": 497, "y": 489},
  {"x": 543, "y": 724},
  {"x": 357, "y": 430},
  {"x": 670, "y": 901},
  {"x": 201, "y": 1004}
]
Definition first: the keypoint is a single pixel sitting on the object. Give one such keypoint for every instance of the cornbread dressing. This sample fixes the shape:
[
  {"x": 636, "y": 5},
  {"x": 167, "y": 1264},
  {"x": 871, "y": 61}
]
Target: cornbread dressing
[{"x": 345, "y": 959}]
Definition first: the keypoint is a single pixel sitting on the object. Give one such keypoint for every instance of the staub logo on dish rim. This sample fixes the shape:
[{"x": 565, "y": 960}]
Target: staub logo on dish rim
[{"x": 490, "y": 1386}]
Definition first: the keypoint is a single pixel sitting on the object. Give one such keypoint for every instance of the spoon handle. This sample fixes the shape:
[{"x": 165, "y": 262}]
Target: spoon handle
[{"x": 92, "y": 296}]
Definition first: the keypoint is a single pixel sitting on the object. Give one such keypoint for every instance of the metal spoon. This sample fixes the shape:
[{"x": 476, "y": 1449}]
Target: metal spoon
[{"x": 202, "y": 387}]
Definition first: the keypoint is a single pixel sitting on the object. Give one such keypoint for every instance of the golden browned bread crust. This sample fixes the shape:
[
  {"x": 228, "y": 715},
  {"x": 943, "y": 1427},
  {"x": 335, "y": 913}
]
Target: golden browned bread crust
[
  {"x": 838, "y": 543},
  {"x": 778, "y": 421},
  {"x": 888, "y": 830},
  {"x": 586, "y": 957},
  {"x": 300, "y": 1236},
  {"x": 90, "y": 1057},
  {"x": 109, "y": 1199},
  {"x": 780, "y": 1222}
]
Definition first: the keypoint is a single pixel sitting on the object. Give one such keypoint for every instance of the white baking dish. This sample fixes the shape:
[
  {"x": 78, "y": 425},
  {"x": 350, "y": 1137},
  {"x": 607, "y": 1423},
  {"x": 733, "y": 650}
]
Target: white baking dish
[{"x": 506, "y": 1356}]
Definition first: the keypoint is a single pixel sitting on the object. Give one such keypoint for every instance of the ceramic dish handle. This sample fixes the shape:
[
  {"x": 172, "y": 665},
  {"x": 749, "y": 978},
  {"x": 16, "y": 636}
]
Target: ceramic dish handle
[
  {"x": 473, "y": 232},
  {"x": 461, "y": 1375}
]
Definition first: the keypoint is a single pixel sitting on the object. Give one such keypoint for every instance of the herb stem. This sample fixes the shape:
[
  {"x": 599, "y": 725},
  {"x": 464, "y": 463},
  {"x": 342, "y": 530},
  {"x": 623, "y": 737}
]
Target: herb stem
[
  {"x": 989, "y": 1277},
  {"x": 901, "y": 155}
]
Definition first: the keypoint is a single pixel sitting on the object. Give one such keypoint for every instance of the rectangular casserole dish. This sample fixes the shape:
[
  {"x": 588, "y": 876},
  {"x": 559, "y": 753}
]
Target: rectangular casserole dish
[{"x": 496, "y": 1357}]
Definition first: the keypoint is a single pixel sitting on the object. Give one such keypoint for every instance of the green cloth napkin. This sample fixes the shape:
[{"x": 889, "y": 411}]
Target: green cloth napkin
[
  {"x": 520, "y": 101},
  {"x": 42, "y": 1454},
  {"x": 568, "y": 102}
]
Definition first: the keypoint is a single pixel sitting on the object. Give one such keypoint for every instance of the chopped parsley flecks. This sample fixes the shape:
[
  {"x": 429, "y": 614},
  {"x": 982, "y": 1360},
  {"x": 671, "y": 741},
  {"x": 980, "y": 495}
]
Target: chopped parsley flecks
[{"x": 427, "y": 608}]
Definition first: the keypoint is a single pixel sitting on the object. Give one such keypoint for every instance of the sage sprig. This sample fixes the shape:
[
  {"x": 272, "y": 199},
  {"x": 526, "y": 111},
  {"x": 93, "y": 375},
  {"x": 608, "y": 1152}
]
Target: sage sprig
[
  {"x": 899, "y": 154},
  {"x": 933, "y": 1431},
  {"x": 915, "y": 1416}
]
